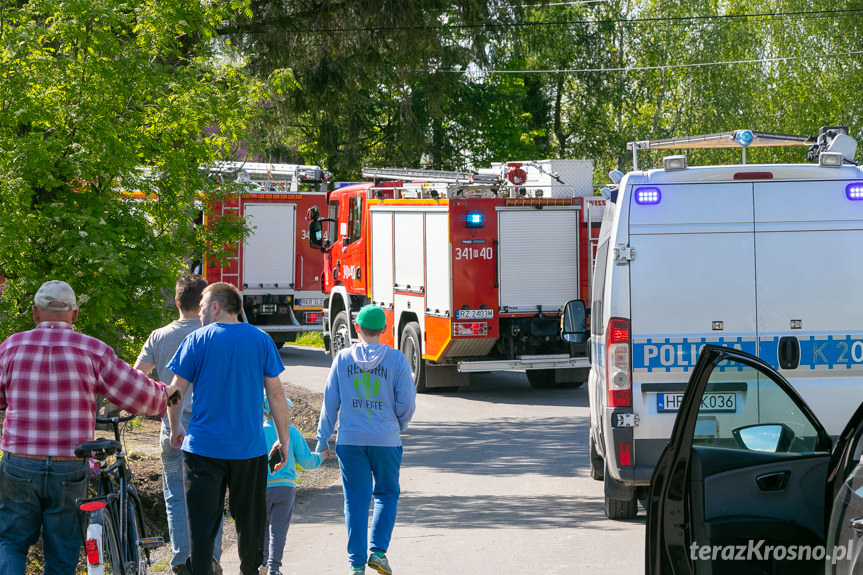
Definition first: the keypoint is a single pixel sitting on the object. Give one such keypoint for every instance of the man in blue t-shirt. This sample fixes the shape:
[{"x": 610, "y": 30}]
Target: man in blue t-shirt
[{"x": 230, "y": 364}]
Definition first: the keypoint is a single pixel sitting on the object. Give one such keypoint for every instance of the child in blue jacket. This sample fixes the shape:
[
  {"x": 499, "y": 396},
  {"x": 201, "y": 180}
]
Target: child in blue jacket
[{"x": 282, "y": 490}]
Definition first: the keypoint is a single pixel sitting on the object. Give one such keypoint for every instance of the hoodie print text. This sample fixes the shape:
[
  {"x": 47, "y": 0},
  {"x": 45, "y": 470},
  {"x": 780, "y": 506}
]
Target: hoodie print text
[{"x": 367, "y": 386}]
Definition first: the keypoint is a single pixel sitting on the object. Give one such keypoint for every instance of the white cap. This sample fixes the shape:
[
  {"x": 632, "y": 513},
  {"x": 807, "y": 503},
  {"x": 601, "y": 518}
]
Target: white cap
[{"x": 55, "y": 295}]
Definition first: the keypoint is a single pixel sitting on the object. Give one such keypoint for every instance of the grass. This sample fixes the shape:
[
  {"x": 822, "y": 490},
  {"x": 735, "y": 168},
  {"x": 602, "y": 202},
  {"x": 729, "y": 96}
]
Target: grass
[{"x": 311, "y": 339}]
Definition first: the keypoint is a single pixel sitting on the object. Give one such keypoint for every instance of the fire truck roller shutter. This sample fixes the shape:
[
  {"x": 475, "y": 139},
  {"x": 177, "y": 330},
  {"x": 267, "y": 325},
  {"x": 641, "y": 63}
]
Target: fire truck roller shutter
[
  {"x": 269, "y": 251},
  {"x": 438, "y": 272},
  {"x": 408, "y": 247},
  {"x": 382, "y": 257},
  {"x": 538, "y": 257}
]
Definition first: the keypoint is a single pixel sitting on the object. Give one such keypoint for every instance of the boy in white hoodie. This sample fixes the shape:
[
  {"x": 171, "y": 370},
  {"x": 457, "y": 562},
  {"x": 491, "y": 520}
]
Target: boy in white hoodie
[{"x": 371, "y": 385}]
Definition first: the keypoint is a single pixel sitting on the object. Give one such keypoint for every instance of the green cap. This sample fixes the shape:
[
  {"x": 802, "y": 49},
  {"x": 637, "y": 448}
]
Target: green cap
[{"x": 371, "y": 317}]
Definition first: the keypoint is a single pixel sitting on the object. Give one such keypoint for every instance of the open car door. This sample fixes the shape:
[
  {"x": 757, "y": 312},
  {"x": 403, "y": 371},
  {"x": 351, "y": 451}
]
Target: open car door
[
  {"x": 845, "y": 491},
  {"x": 740, "y": 488}
]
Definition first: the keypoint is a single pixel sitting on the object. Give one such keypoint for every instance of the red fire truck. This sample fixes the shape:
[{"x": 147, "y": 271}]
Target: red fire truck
[
  {"x": 275, "y": 269},
  {"x": 472, "y": 269}
]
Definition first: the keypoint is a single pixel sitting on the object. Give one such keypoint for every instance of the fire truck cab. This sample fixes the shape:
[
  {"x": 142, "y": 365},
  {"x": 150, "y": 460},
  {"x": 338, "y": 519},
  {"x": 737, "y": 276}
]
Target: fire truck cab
[{"x": 472, "y": 269}]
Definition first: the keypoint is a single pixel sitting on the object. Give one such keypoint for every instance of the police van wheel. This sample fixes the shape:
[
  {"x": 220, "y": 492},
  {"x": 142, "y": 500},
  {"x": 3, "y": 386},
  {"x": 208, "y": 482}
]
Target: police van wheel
[
  {"x": 597, "y": 463},
  {"x": 541, "y": 378},
  {"x": 412, "y": 348},
  {"x": 620, "y": 509},
  {"x": 620, "y": 501}
]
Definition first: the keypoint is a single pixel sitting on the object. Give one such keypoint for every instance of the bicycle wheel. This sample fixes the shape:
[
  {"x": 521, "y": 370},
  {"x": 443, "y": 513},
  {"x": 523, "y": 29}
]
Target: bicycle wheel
[
  {"x": 136, "y": 553},
  {"x": 112, "y": 561}
]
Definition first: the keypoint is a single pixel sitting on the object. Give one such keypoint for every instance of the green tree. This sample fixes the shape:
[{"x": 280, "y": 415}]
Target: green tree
[
  {"x": 360, "y": 82},
  {"x": 91, "y": 91}
]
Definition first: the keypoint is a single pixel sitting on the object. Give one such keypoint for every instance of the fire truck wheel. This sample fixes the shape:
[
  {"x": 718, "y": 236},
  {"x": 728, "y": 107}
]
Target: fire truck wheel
[
  {"x": 541, "y": 378},
  {"x": 284, "y": 338},
  {"x": 341, "y": 333},
  {"x": 411, "y": 347}
]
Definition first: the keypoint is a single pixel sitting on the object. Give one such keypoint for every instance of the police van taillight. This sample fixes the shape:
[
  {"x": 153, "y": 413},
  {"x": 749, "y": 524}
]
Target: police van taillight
[{"x": 618, "y": 371}]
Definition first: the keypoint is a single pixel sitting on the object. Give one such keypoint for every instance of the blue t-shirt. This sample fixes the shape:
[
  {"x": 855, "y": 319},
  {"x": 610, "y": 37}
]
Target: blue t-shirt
[{"x": 226, "y": 363}]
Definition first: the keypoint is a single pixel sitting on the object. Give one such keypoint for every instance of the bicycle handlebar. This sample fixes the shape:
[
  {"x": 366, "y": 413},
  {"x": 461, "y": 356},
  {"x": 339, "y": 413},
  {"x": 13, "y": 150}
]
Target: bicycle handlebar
[{"x": 118, "y": 419}]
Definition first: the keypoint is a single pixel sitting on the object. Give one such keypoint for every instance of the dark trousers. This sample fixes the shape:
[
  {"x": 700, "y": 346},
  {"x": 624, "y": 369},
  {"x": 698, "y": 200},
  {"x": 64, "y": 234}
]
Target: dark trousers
[{"x": 206, "y": 480}]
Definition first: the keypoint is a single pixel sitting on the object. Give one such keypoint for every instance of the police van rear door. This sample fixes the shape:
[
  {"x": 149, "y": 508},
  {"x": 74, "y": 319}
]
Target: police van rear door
[
  {"x": 808, "y": 238},
  {"x": 692, "y": 282}
]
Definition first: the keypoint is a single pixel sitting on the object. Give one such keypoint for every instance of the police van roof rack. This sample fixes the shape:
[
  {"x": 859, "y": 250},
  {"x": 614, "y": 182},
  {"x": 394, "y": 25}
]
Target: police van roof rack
[{"x": 736, "y": 139}]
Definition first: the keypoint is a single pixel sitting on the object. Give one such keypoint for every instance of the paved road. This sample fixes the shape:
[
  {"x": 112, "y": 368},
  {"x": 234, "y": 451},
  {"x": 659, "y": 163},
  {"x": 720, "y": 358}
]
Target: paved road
[{"x": 495, "y": 481}]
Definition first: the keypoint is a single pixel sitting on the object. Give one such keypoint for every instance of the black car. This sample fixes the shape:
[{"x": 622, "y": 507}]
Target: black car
[{"x": 750, "y": 482}]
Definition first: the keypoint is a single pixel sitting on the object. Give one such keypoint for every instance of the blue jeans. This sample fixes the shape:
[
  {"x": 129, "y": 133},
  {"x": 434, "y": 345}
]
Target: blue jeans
[
  {"x": 40, "y": 494},
  {"x": 175, "y": 498},
  {"x": 368, "y": 472}
]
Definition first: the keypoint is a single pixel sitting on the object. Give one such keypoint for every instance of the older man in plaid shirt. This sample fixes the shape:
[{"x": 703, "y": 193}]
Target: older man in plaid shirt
[{"x": 49, "y": 379}]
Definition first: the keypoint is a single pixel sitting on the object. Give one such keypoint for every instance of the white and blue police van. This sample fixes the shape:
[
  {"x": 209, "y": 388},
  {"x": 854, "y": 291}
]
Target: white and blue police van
[{"x": 763, "y": 258}]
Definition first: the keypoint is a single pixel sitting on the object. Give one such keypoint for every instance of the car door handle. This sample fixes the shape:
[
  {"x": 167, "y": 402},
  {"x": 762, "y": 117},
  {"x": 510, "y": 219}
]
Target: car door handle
[
  {"x": 773, "y": 481},
  {"x": 857, "y": 524},
  {"x": 789, "y": 352}
]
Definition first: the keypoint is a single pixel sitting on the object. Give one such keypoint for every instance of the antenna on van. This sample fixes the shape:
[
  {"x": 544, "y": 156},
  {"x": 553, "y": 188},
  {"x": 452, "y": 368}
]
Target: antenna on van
[{"x": 834, "y": 139}]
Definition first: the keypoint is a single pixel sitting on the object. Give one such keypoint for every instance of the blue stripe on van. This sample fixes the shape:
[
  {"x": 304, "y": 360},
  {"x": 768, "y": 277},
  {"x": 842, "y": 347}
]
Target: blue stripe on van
[
  {"x": 820, "y": 353},
  {"x": 680, "y": 354}
]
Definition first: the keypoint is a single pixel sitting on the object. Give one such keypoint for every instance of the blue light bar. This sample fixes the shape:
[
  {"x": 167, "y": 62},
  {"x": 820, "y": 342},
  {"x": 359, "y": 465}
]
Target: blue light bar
[
  {"x": 854, "y": 191},
  {"x": 743, "y": 137},
  {"x": 475, "y": 220},
  {"x": 648, "y": 196}
]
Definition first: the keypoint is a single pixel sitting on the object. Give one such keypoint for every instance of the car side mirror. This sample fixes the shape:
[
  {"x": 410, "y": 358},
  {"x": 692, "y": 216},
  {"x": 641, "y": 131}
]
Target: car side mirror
[
  {"x": 573, "y": 327},
  {"x": 764, "y": 437}
]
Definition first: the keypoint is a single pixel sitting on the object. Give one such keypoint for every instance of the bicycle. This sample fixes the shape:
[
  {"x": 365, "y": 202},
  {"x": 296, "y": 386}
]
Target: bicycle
[{"x": 112, "y": 524}]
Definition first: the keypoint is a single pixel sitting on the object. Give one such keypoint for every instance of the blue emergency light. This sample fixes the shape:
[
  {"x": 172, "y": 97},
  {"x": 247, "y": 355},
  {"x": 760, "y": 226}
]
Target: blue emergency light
[
  {"x": 647, "y": 196},
  {"x": 744, "y": 137},
  {"x": 854, "y": 191},
  {"x": 475, "y": 220}
]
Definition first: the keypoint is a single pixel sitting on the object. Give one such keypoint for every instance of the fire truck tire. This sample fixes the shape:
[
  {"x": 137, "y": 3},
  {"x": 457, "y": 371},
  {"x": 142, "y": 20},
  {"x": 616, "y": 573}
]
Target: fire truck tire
[
  {"x": 284, "y": 338},
  {"x": 340, "y": 333},
  {"x": 412, "y": 348},
  {"x": 541, "y": 378}
]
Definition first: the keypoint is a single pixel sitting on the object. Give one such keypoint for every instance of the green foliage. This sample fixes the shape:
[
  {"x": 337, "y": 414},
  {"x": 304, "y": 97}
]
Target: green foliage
[
  {"x": 311, "y": 339},
  {"x": 91, "y": 91},
  {"x": 409, "y": 83}
]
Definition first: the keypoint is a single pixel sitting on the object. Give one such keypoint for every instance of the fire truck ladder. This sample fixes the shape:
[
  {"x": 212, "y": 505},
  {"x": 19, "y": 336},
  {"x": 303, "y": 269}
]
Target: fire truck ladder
[
  {"x": 259, "y": 172},
  {"x": 433, "y": 176}
]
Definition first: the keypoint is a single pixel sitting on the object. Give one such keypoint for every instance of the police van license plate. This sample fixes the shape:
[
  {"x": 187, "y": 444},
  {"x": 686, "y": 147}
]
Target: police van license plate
[
  {"x": 710, "y": 402},
  {"x": 474, "y": 314}
]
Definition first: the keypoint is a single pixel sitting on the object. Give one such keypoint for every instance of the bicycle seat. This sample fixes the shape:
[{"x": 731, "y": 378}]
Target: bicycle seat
[{"x": 100, "y": 448}]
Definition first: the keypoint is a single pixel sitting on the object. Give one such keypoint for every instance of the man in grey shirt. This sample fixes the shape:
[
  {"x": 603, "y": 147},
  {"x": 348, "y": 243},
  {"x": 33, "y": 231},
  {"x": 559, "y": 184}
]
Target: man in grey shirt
[{"x": 155, "y": 355}]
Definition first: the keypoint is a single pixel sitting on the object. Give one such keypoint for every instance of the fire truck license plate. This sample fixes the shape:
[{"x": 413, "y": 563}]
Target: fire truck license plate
[
  {"x": 710, "y": 402},
  {"x": 310, "y": 302},
  {"x": 474, "y": 314}
]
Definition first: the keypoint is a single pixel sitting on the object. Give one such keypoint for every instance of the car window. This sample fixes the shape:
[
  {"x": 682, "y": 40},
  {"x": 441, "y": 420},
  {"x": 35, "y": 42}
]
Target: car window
[
  {"x": 742, "y": 408},
  {"x": 355, "y": 218},
  {"x": 596, "y": 320}
]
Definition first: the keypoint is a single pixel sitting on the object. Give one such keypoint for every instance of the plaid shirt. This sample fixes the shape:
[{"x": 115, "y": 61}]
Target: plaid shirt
[{"x": 49, "y": 378}]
